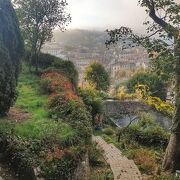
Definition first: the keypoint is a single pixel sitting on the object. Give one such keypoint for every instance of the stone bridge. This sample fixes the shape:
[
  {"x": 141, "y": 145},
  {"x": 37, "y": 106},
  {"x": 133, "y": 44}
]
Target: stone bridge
[
  {"x": 120, "y": 111},
  {"x": 116, "y": 108}
]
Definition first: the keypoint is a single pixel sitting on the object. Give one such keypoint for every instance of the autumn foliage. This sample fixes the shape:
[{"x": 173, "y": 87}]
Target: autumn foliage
[
  {"x": 57, "y": 82},
  {"x": 59, "y": 86},
  {"x": 56, "y": 153},
  {"x": 65, "y": 104}
]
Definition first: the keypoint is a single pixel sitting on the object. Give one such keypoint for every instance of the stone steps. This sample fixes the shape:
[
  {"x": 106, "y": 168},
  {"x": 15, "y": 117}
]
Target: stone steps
[{"x": 122, "y": 167}]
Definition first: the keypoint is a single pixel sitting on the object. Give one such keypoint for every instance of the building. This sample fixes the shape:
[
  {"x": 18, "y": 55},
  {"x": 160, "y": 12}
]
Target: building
[{"x": 54, "y": 49}]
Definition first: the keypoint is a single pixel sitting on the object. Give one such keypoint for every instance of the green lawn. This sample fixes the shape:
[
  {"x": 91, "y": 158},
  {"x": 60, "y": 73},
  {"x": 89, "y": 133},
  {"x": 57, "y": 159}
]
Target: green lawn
[{"x": 38, "y": 126}]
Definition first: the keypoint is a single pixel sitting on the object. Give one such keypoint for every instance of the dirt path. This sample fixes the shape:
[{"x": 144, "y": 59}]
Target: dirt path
[
  {"x": 17, "y": 115},
  {"x": 123, "y": 168}
]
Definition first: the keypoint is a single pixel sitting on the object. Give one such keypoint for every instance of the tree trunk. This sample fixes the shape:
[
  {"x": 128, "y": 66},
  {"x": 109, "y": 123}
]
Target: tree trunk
[
  {"x": 36, "y": 63},
  {"x": 30, "y": 62},
  {"x": 172, "y": 155}
]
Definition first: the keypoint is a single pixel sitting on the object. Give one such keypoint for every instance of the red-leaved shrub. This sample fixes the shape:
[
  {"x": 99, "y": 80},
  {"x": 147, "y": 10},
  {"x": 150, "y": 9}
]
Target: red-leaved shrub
[
  {"x": 57, "y": 82},
  {"x": 64, "y": 103}
]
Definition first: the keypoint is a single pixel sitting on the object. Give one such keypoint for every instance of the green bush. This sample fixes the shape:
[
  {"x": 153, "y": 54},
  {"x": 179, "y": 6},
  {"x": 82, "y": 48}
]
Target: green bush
[
  {"x": 54, "y": 161},
  {"x": 147, "y": 132},
  {"x": 123, "y": 95},
  {"x": 62, "y": 167},
  {"x": 95, "y": 156},
  {"x": 60, "y": 106},
  {"x": 93, "y": 99},
  {"x": 47, "y": 62},
  {"x": 44, "y": 60},
  {"x": 153, "y": 82},
  {"x": 20, "y": 154},
  {"x": 74, "y": 112},
  {"x": 92, "y": 93},
  {"x": 108, "y": 131}
]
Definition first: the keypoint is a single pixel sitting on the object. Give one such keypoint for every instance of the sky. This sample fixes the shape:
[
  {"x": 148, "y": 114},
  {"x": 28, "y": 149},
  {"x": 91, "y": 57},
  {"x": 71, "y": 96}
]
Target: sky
[{"x": 106, "y": 14}]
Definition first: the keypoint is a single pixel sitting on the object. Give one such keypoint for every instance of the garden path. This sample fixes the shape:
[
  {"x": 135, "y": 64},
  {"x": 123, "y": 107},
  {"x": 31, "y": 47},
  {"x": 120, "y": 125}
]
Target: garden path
[{"x": 122, "y": 167}]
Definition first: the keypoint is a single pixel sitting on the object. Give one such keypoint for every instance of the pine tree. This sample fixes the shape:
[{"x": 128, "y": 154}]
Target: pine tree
[{"x": 11, "y": 50}]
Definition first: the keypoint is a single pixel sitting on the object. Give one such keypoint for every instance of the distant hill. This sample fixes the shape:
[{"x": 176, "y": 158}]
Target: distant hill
[{"x": 78, "y": 37}]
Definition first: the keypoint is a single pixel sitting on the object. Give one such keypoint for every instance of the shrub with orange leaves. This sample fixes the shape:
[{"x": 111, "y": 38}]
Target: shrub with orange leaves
[
  {"x": 61, "y": 163},
  {"x": 57, "y": 82},
  {"x": 55, "y": 154},
  {"x": 70, "y": 95},
  {"x": 146, "y": 160},
  {"x": 64, "y": 104},
  {"x": 49, "y": 157}
]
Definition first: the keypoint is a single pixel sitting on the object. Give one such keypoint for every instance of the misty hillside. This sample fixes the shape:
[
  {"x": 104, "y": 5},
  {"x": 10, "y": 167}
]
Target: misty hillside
[{"x": 77, "y": 37}]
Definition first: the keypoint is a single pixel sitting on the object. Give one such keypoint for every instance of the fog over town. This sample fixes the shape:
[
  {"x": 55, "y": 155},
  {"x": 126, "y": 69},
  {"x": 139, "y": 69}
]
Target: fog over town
[
  {"x": 83, "y": 47},
  {"x": 84, "y": 40}
]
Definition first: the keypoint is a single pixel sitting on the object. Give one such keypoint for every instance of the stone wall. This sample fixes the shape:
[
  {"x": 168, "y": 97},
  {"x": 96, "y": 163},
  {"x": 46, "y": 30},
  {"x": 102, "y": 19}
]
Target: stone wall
[{"x": 118, "y": 110}]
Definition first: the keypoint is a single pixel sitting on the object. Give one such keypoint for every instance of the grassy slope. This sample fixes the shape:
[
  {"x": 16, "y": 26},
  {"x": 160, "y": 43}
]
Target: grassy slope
[{"x": 38, "y": 126}]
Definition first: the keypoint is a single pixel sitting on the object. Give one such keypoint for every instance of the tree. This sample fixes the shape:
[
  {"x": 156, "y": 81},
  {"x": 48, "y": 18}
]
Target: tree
[
  {"x": 96, "y": 75},
  {"x": 163, "y": 67},
  {"x": 38, "y": 18},
  {"x": 11, "y": 50},
  {"x": 152, "y": 81},
  {"x": 93, "y": 99},
  {"x": 165, "y": 24}
]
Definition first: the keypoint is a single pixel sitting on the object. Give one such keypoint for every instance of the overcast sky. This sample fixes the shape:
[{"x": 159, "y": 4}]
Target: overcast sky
[
  {"x": 103, "y": 14},
  {"x": 106, "y": 14}
]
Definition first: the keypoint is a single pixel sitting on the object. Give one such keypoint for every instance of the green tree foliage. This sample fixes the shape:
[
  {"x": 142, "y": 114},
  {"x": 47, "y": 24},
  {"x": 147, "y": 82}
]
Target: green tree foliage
[
  {"x": 11, "y": 49},
  {"x": 52, "y": 63},
  {"x": 93, "y": 99},
  {"x": 38, "y": 18},
  {"x": 155, "y": 84},
  {"x": 44, "y": 60},
  {"x": 163, "y": 67},
  {"x": 97, "y": 75}
]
